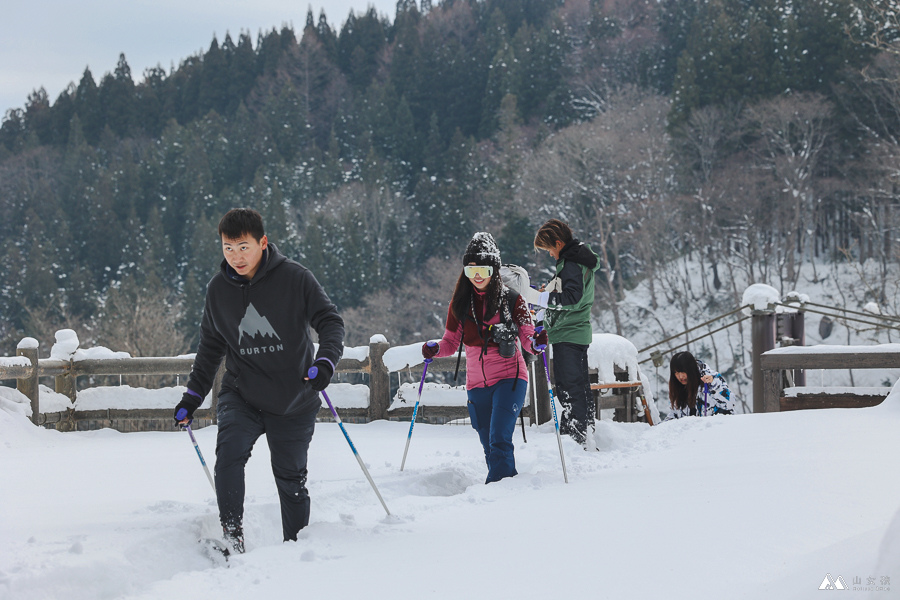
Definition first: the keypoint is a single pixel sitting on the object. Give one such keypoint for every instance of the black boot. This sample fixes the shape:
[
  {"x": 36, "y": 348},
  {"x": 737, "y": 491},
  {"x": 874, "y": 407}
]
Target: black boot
[{"x": 234, "y": 537}]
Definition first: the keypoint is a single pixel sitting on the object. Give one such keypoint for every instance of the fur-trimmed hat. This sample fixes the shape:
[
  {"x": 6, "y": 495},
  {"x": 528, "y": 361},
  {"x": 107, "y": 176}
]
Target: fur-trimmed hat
[{"x": 483, "y": 250}]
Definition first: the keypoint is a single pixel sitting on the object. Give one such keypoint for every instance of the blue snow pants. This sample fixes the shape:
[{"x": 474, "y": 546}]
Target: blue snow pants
[
  {"x": 493, "y": 411},
  {"x": 288, "y": 436}
]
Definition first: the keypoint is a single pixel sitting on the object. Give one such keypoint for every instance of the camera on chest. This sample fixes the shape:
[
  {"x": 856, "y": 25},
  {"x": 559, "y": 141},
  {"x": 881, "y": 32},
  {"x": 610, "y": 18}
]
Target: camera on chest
[{"x": 505, "y": 336}]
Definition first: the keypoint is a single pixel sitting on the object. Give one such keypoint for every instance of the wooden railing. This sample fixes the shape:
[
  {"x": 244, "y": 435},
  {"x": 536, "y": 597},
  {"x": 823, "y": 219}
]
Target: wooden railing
[
  {"x": 779, "y": 364},
  {"x": 28, "y": 369}
]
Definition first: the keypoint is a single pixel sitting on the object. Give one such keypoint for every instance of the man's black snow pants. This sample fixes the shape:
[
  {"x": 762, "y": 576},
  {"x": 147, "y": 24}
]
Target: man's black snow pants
[
  {"x": 240, "y": 425},
  {"x": 573, "y": 389}
]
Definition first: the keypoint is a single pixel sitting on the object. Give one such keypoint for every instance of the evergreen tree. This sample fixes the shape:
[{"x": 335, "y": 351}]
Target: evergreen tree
[
  {"x": 360, "y": 45},
  {"x": 675, "y": 19},
  {"x": 268, "y": 52},
  {"x": 148, "y": 98},
  {"x": 61, "y": 115},
  {"x": 38, "y": 118},
  {"x": 12, "y": 132},
  {"x": 241, "y": 73},
  {"x": 406, "y": 142},
  {"x": 327, "y": 37},
  {"x": 319, "y": 84},
  {"x": 184, "y": 84},
  {"x": 503, "y": 80},
  {"x": 214, "y": 81},
  {"x": 38, "y": 289},
  {"x": 287, "y": 119},
  {"x": 407, "y": 49},
  {"x": 686, "y": 95},
  {"x": 116, "y": 95},
  {"x": 87, "y": 106},
  {"x": 222, "y": 155}
]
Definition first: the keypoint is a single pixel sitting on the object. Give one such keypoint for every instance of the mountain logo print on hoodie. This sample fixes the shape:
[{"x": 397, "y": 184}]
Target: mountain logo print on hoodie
[{"x": 254, "y": 324}]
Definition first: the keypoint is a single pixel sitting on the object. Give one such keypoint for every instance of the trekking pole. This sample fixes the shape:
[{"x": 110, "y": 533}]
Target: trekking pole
[
  {"x": 705, "y": 401},
  {"x": 562, "y": 456},
  {"x": 416, "y": 409},
  {"x": 181, "y": 415},
  {"x": 313, "y": 371}
]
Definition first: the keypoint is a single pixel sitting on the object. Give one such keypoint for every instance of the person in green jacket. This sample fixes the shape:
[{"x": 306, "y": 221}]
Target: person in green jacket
[{"x": 568, "y": 297}]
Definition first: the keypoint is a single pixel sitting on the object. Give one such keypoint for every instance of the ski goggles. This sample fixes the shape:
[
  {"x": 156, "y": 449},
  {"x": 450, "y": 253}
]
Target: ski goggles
[{"x": 473, "y": 271}]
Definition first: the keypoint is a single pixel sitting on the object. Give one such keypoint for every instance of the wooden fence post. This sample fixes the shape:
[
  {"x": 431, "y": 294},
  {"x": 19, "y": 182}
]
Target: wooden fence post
[
  {"x": 379, "y": 380},
  {"x": 65, "y": 383},
  {"x": 28, "y": 348},
  {"x": 772, "y": 386},
  {"x": 542, "y": 409},
  {"x": 530, "y": 411},
  {"x": 763, "y": 339},
  {"x": 798, "y": 332}
]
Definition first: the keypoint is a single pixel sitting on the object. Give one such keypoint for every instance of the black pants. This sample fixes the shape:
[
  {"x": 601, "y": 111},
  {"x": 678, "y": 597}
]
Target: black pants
[
  {"x": 240, "y": 425},
  {"x": 573, "y": 389}
]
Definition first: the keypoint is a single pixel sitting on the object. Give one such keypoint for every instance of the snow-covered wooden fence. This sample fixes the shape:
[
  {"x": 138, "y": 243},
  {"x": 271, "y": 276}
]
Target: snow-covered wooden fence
[
  {"x": 27, "y": 369},
  {"x": 611, "y": 358},
  {"x": 782, "y": 393}
]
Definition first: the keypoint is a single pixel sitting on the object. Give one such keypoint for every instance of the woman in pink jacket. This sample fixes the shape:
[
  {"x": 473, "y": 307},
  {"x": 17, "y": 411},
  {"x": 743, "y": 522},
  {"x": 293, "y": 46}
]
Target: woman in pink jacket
[{"x": 489, "y": 319}]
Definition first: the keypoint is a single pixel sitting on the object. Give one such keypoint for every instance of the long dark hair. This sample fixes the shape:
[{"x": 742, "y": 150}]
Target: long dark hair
[
  {"x": 681, "y": 396},
  {"x": 462, "y": 297}
]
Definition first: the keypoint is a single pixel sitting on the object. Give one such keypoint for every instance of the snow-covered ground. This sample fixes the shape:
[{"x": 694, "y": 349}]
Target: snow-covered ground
[{"x": 748, "y": 506}]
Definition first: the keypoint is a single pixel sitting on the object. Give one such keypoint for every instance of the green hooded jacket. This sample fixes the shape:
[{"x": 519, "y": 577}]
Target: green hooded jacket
[{"x": 568, "y": 315}]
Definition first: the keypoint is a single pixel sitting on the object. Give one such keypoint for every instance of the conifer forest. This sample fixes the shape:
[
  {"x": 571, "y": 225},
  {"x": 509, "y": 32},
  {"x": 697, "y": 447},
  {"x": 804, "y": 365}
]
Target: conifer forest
[{"x": 753, "y": 136}]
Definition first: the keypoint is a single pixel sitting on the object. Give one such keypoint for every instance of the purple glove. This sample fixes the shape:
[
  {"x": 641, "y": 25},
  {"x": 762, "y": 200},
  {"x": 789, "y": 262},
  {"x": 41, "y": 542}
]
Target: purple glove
[
  {"x": 539, "y": 340},
  {"x": 319, "y": 374},
  {"x": 430, "y": 350},
  {"x": 184, "y": 410}
]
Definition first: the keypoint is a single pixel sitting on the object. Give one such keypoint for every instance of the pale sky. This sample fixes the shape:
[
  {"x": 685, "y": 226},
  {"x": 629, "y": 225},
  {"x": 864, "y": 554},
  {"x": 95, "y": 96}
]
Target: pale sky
[{"x": 50, "y": 42}]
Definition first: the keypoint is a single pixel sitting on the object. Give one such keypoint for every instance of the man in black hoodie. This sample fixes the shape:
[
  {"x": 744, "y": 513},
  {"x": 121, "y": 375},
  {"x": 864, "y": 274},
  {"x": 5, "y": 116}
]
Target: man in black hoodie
[{"x": 258, "y": 312}]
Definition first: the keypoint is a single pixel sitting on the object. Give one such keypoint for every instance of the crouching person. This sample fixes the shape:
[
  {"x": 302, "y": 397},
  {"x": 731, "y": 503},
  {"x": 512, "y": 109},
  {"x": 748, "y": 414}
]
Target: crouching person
[{"x": 695, "y": 390}]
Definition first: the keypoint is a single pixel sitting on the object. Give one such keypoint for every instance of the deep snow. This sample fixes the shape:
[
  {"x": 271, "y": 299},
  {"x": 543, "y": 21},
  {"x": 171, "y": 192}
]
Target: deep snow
[{"x": 747, "y": 506}]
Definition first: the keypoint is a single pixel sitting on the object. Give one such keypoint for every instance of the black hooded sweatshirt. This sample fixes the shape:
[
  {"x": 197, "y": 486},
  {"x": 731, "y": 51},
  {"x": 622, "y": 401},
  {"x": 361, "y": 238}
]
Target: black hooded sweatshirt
[{"x": 261, "y": 327}]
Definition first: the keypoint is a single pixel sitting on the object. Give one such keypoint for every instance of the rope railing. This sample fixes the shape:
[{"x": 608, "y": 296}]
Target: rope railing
[
  {"x": 655, "y": 356},
  {"x": 694, "y": 328},
  {"x": 852, "y": 312},
  {"x": 794, "y": 306},
  {"x": 843, "y": 318}
]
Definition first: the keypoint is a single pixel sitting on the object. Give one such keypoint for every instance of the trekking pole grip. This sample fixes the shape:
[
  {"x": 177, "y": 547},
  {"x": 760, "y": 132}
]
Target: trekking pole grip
[{"x": 431, "y": 344}]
